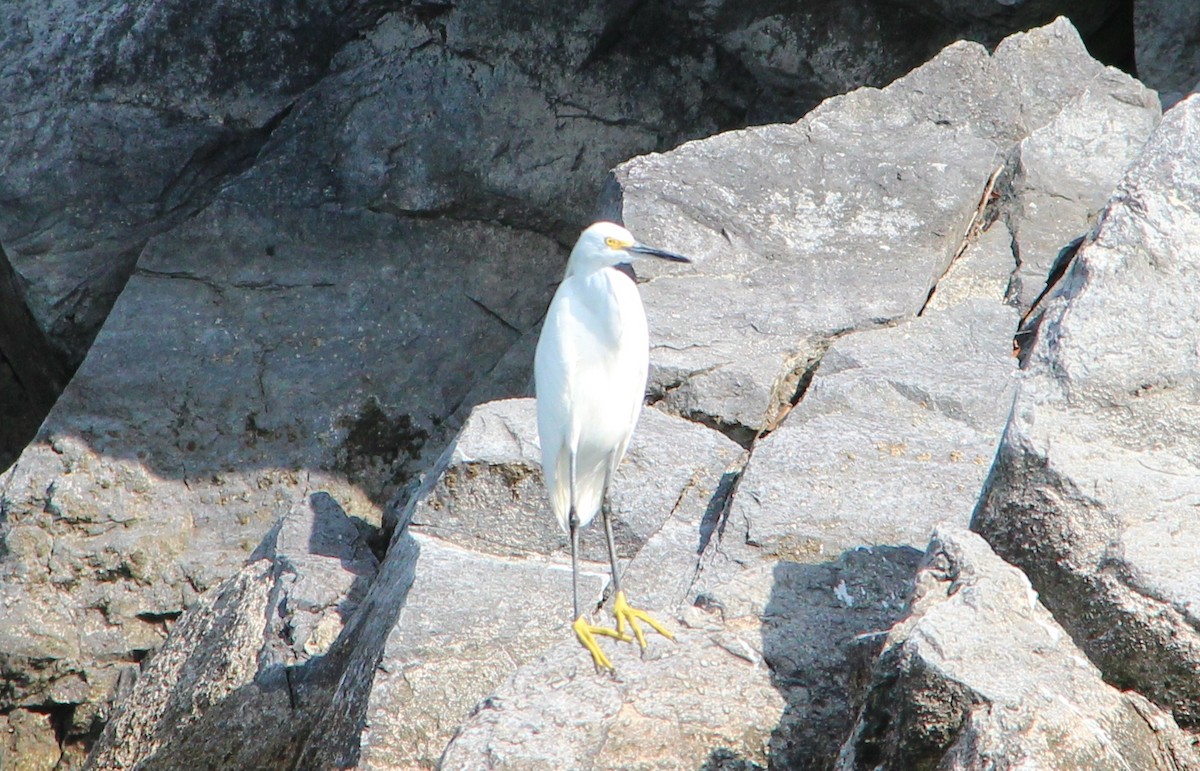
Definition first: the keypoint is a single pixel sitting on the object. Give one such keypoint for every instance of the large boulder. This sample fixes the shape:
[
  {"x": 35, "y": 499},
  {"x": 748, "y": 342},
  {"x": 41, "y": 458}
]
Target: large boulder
[
  {"x": 126, "y": 119},
  {"x": 980, "y": 675},
  {"x": 239, "y": 680},
  {"x": 492, "y": 587},
  {"x": 247, "y": 363},
  {"x": 328, "y": 325},
  {"x": 871, "y": 379},
  {"x": 316, "y": 284},
  {"x": 1093, "y": 493},
  {"x": 844, "y": 221}
]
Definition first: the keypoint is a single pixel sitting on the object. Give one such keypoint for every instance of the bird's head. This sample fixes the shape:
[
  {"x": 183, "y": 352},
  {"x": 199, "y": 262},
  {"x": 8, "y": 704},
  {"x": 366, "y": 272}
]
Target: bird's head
[{"x": 607, "y": 244}]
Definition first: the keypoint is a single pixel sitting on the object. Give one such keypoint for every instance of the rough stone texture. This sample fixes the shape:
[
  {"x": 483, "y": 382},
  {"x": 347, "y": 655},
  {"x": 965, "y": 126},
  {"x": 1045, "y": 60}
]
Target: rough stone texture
[
  {"x": 477, "y": 610},
  {"x": 896, "y": 430},
  {"x": 1065, "y": 170},
  {"x": 28, "y": 742},
  {"x": 805, "y": 589},
  {"x": 837, "y": 223},
  {"x": 980, "y": 676},
  {"x": 1165, "y": 33},
  {"x": 127, "y": 118},
  {"x": 275, "y": 372},
  {"x": 1093, "y": 492},
  {"x": 312, "y": 214},
  {"x": 241, "y": 677},
  {"x": 761, "y": 670},
  {"x": 324, "y": 317},
  {"x": 123, "y": 119}
]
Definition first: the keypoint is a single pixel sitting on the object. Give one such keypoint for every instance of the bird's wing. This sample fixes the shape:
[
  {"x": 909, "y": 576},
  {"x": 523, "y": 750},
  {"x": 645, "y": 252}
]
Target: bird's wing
[
  {"x": 590, "y": 372},
  {"x": 551, "y": 374}
]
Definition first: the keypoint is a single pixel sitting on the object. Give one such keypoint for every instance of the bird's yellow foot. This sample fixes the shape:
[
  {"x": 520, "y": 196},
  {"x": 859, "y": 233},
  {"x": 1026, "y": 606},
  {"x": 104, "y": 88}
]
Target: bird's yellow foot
[
  {"x": 587, "y": 637},
  {"x": 627, "y": 614}
]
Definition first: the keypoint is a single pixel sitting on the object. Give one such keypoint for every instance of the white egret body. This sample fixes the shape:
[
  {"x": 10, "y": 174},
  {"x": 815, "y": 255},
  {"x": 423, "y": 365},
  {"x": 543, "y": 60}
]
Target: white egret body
[{"x": 590, "y": 372}]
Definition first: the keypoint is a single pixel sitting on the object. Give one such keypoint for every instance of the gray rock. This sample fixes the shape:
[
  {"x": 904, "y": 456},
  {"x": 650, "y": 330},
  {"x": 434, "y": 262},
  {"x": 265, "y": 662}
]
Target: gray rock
[
  {"x": 28, "y": 741},
  {"x": 489, "y": 495},
  {"x": 1164, "y": 35},
  {"x": 841, "y": 222},
  {"x": 761, "y": 670},
  {"x": 1066, "y": 169},
  {"x": 272, "y": 375},
  {"x": 243, "y": 673},
  {"x": 119, "y": 127},
  {"x": 253, "y": 355},
  {"x": 979, "y": 675},
  {"x": 895, "y": 433},
  {"x": 777, "y": 217},
  {"x": 807, "y": 565},
  {"x": 492, "y": 586},
  {"x": 325, "y": 317},
  {"x": 1091, "y": 494}
]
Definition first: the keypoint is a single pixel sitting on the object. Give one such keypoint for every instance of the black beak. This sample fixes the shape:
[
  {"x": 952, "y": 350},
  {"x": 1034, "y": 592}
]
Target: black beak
[{"x": 660, "y": 253}]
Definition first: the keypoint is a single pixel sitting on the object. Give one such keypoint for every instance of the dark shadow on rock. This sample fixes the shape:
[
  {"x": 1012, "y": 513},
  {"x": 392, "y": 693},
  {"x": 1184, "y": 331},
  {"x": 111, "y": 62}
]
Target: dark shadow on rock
[
  {"x": 823, "y": 627},
  {"x": 723, "y": 759},
  {"x": 334, "y": 741},
  {"x": 267, "y": 722},
  {"x": 713, "y": 521}
]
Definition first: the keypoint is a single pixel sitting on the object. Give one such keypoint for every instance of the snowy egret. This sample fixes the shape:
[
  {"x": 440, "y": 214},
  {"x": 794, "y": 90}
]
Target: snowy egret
[{"x": 590, "y": 374}]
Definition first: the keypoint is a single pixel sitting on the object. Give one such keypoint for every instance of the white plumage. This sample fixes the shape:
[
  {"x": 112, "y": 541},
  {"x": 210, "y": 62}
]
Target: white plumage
[{"x": 590, "y": 373}]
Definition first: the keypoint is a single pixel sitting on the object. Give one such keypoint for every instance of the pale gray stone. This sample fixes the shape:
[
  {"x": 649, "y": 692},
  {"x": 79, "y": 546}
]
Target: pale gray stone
[
  {"x": 1066, "y": 170},
  {"x": 895, "y": 433},
  {"x": 491, "y": 577},
  {"x": 981, "y": 676},
  {"x": 239, "y": 680},
  {"x": 1093, "y": 491}
]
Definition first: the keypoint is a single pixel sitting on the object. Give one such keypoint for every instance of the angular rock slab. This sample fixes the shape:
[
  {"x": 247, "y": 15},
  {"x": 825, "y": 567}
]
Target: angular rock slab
[
  {"x": 1093, "y": 493},
  {"x": 255, "y": 356},
  {"x": 980, "y": 676},
  {"x": 1066, "y": 170},
  {"x": 123, "y": 121},
  {"x": 489, "y": 495},
  {"x": 759, "y": 671},
  {"x": 795, "y": 629},
  {"x": 896, "y": 430},
  {"x": 491, "y": 582},
  {"x": 240, "y": 677},
  {"x": 661, "y": 712},
  {"x": 800, "y": 232},
  {"x": 838, "y": 222}
]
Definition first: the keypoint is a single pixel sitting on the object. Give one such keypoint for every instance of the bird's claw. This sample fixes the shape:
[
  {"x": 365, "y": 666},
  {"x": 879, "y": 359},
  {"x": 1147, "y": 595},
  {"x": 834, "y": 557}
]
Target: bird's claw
[
  {"x": 586, "y": 633},
  {"x": 626, "y": 614}
]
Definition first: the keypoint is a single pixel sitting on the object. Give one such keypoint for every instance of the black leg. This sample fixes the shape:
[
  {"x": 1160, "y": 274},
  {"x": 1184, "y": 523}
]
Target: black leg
[
  {"x": 612, "y": 548},
  {"x": 573, "y": 523}
]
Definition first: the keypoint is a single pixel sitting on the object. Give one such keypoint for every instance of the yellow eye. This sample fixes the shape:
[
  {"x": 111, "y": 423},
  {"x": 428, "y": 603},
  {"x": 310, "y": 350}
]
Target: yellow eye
[{"x": 613, "y": 243}]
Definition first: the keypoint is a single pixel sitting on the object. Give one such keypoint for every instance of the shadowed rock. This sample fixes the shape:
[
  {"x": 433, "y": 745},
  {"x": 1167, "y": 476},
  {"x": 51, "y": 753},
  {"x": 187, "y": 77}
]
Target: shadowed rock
[
  {"x": 1093, "y": 492},
  {"x": 243, "y": 673},
  {"x": 979, "y": 675}
]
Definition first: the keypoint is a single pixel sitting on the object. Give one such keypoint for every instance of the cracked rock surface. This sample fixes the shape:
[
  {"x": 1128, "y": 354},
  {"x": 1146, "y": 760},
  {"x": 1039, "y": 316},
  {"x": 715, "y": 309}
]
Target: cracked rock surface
[
  {"x": 980, "y": 675},
  {"x": 477, "y": 611},
  {"x": 841, "y": 221},
  {"x": 365, "y": 260},
  {"x": 1093, "y": 493},
  {"x": 256, "y": 652}
]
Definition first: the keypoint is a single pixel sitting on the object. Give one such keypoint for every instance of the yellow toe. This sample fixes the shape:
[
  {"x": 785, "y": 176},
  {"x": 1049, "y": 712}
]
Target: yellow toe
[
  {"x": 586, "y": 633},
  {"x": 626, "y": 614}
]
